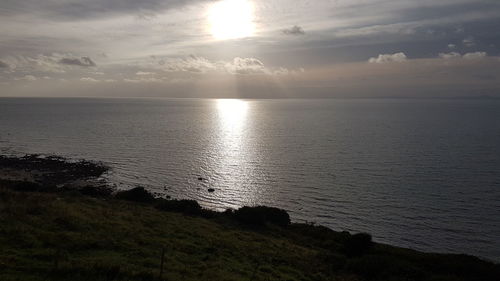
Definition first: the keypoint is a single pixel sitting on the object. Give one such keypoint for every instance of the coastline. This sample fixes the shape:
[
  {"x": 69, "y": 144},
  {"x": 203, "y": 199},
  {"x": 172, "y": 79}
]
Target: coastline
[{"x": 44, "y": 198}]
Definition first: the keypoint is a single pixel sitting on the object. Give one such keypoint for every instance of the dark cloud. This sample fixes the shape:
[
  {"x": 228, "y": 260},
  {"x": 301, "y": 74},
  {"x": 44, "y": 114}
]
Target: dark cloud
[
  {"x": 77, "y": 9},
  {"x": 83, "y": 61},
  {"x": 294, "y": 30},
  {"x": 3, "y": 64}
]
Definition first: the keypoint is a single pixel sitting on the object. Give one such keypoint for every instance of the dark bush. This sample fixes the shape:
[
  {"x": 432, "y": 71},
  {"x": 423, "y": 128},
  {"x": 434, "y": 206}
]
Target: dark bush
[
  {"x": 357, "y": 244},
  {"x": 96, "y": 191},
  {"x": 383, "y": 267},
  {"x": 138, "y": 194},
  {"x": 190, "y": 207},
  {"x": 261, "y": 215}
]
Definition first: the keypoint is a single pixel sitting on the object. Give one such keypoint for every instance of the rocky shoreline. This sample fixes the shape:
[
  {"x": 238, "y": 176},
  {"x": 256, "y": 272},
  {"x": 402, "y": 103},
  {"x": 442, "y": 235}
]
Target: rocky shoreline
[{"x": 50, "y": 170}]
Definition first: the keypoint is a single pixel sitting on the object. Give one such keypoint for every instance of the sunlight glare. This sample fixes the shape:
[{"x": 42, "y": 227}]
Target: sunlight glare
[
  {"x": 232, "y": 112},
  {"x": 231, "y": 19}
]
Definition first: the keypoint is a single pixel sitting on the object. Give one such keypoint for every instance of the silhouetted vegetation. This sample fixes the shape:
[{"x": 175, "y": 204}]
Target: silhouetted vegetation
[
  {"x": 190, "y": 207},
  {"x": 357, "y": 244},
  {"x": 64, "y": 236},
  {"x": 138, "y": 194},
  {"x": 261, "y": 215}
]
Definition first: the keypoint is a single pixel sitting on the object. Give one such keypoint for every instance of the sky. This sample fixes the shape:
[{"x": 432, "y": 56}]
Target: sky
[{"x": 250, "y": 48}]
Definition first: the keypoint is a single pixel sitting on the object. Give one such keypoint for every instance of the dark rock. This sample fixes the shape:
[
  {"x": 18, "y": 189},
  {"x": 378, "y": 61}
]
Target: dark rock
[
  {"x": 211, "y": 190},
  {"x": 54, "y": 170}
]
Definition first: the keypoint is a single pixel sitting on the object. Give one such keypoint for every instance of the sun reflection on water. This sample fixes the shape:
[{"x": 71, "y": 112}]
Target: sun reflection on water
[
  {"x": 232, "y": 114},
  {"x": 231, "y": 164}
]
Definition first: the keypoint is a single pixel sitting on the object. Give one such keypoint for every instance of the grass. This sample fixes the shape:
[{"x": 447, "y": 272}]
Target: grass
[{"x": 68, "y": 236}]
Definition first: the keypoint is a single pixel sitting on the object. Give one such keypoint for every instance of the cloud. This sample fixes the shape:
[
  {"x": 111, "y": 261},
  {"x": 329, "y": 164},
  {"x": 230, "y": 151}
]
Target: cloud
[
  {"x": 384, "y": 58},
  {"x": 468, "y": 56},
  {"x": 452, "y": 55},
  {"x": 469, "y": 42},
  {"x": 64, "y": 9},
  {"x": 88, "y": 79},
  {"x": 236, "y": 66},
  {"x": 294, "y": 30},
  {"x": 475, "y": 55},
  {"x": 38, "y": 63},
  {"x": 54, "y": 63},
  {"x": 83, "y": 61},
  {"x": 429, "y": 77},
  {"x": 143, "y": 80},
  {"x": 3, "y": 64},
  {"x": 192, "y": 64},
  {"x": 246, "y": 66},
  {"x": 141, "y": 73},
  {"x": 452, "y": 46},
  {"x": 27, "y": 78}
]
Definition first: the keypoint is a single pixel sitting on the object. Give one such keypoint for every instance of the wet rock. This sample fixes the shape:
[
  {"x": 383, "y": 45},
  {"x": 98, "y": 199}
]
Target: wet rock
[
  {"x": 54, "y": 170},
  {"x": 211, "y": 190}
]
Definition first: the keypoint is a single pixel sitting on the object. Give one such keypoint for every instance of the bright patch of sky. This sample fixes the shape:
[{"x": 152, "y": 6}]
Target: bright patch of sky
[{"x": 288, "y": 47}]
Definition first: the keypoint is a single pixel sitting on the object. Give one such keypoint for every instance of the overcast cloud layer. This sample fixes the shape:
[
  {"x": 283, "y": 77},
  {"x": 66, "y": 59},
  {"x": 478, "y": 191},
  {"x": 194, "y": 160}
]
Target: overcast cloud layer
[{"x": 300, "y": 48}]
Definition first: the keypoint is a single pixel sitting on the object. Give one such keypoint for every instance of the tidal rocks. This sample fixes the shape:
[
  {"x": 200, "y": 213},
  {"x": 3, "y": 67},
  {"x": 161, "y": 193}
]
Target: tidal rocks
[{"x": 53, "y": 170}]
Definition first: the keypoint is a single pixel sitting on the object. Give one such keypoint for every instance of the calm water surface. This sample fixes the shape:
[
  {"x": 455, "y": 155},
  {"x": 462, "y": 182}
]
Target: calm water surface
[{"x": 423, "y": 174}]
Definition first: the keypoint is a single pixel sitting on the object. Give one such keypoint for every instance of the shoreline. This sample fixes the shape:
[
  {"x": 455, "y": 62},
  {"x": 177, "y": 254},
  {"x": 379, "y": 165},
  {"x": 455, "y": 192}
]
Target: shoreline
[
  {"x": 55, "y": 173},
  {"x": 50, "y": 181}
]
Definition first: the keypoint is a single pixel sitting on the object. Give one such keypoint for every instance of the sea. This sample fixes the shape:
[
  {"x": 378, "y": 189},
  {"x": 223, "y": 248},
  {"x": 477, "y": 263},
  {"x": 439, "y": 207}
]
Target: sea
[{"x": 416, "y": 173}]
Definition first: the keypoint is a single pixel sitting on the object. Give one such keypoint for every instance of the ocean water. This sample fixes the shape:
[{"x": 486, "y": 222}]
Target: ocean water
[{"x": 423, "y": 174}]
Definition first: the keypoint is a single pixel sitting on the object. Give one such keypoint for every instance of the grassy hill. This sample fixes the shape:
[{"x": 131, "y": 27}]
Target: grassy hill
[{"x": 70, "y": 236}]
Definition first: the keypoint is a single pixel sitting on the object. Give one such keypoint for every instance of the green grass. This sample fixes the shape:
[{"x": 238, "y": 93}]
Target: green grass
[{"x": 67, "y": 236}]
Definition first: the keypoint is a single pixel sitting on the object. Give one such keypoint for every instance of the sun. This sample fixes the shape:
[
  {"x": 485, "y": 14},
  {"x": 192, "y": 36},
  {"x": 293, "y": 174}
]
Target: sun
[{"x": 231, "y": 19}]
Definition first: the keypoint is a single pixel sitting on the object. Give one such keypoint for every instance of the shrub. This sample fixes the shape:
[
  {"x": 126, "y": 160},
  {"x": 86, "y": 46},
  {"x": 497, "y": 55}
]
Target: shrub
[
  {"x": 138, "y": 194},
  {"x": 357, "y": 244},
  {"x": 96, "y": 191},
  {"x": 190, "y": 207},
  {"x": 261, "y": 215}
]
